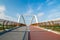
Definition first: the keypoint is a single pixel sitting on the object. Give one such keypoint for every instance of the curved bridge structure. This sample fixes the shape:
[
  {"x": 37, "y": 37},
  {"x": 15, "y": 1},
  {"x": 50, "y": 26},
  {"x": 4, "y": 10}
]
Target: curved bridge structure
[{"x": 10, "y": 30}]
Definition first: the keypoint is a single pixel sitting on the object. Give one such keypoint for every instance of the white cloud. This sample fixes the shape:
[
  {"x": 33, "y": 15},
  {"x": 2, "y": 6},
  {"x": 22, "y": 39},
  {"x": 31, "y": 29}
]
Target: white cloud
[
  {"x": 29, "y": 12},
  {"x": 54, "y": 14},
  {"x": 4, "y": 16},
  {"x": 40, "y": 14},
  {"x": 50, "y": 2},
  {"x": 39, "y": 7},
  {"x": 2, "y": 8},
  {"x": 51, "y": 20},
  {"x": 47, "y": 0},
  {"x": 54, "y": 19},
  {"x": 17, "y": 14},
  {"x": 2, "y": 13}
]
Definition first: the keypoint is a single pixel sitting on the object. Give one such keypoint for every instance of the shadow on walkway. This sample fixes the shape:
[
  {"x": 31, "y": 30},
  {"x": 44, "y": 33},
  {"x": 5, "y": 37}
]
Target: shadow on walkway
[{"x": 3, "y": 32}]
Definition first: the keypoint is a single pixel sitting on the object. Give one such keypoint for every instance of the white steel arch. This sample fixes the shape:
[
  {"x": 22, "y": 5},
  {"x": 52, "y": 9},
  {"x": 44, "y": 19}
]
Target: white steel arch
[
  {"x": 19, "y": 17},
  {"x": 34, "y": 17}
]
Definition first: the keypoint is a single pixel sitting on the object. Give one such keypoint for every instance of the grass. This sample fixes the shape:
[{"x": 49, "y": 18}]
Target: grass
[
  {"x": 54, "y": 27},
  {"x": 6, "y": 27}
]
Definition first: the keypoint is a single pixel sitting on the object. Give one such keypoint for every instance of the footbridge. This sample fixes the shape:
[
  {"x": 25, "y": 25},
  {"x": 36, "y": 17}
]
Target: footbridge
[{"x": 11, "y": 30}]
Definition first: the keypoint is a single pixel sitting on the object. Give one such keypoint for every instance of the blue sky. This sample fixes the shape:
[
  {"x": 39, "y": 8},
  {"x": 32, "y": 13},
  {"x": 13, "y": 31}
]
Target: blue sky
[{"x": 44, "y": 9}]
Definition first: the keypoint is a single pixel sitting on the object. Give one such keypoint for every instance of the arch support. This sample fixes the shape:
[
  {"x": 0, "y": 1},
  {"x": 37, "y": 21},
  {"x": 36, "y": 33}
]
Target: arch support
[
  {"x": 34, "y": 17},
  {"x": 19, "y": 18}
]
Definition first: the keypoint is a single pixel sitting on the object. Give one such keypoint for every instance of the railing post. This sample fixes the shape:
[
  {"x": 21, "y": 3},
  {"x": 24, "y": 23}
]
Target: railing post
[
  {"x": 7, "y": 24},
  {"x": 3, "y": 25}
]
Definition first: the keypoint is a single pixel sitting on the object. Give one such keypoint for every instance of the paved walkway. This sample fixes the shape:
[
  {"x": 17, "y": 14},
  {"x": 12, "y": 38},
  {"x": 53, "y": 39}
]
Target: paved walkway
[
  {"x": 39, "y": 34},
  {"x": 17, "y": 34},
  {"x": 34, "y": 33}
]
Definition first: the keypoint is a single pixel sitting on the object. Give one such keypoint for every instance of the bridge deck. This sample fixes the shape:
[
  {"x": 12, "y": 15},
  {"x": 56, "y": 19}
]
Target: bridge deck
[
  {"x": 16, "y": 34},
  {"x": 40, "y": 34},
  {"x": 30, "y": 33}
]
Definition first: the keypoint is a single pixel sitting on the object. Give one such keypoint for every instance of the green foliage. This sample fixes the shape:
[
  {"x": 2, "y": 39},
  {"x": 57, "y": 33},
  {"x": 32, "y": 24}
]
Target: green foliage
[
  {"x": 7, "y": 27},
  {"x": 52, "y": 27}
]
